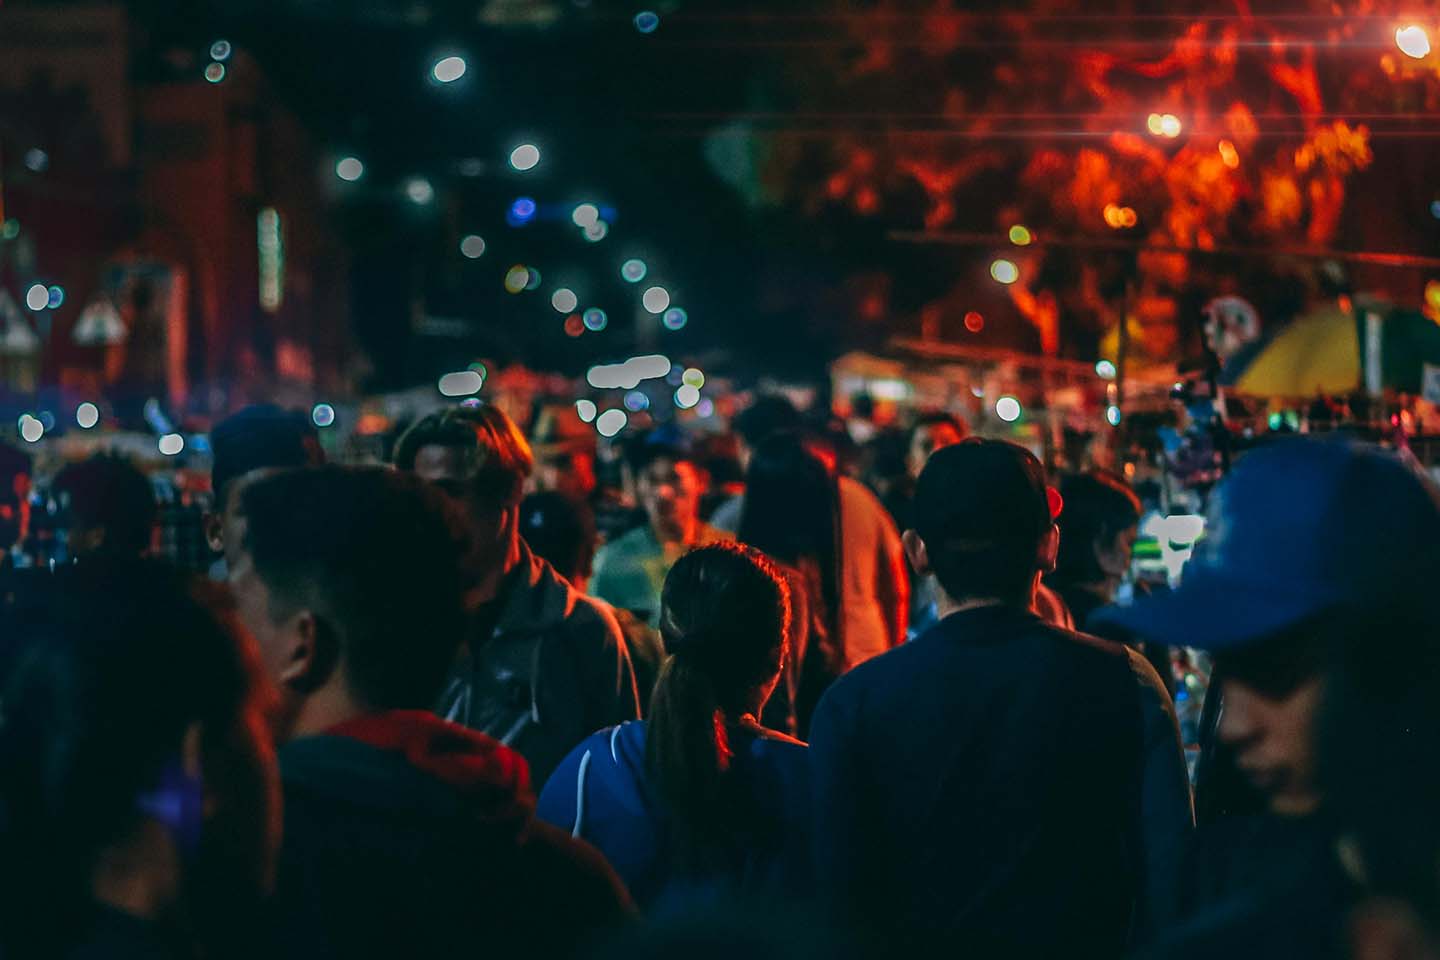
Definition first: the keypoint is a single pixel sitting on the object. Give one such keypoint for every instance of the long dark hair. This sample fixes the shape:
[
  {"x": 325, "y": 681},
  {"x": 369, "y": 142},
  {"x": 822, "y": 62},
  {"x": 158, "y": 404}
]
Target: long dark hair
[
  {"x": 791, "y": 512},
  {"x": 100, "y": 686},
  {"x": 725, "y": 619}
]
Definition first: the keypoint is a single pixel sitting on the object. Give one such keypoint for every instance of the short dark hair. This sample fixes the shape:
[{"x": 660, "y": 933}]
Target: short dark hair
[
  {"x": 770, "y": 414},
  {"x": 934, "y": 418},
  {"x": 982, "y": 508},
  {"x": 499, "y": 457},
  {"x": 108, "y": 491},
  {"x": 260, "y": 437},
  {"x": 1098, "y": 505},
  {"x": 645, "y": 454},
  {"x": 559, "y": 531},
  {"x": 102, "y": 681},
  {"x": 376, "y": 555}
]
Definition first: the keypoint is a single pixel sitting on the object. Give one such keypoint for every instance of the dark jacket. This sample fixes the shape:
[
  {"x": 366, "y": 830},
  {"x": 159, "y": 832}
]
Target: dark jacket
[
  {"x": 553, "y": 671},
  {"x": 980, "y": 787},
  {"x": 604, "y": 793},
  {"x": 406, "y": 836}
]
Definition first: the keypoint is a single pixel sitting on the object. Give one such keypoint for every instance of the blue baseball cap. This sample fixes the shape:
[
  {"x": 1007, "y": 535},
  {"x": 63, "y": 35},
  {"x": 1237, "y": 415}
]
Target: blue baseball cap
[{"x": 1301, "y": 528}]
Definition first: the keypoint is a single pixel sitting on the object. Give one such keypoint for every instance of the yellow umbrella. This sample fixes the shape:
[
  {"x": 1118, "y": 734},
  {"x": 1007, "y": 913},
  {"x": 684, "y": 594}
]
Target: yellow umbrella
[{"x": 1317, "y": 353}]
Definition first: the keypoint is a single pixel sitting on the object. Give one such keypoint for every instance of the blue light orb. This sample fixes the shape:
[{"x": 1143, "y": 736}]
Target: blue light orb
[
  {"x": 595, "y": 319},
  {"x": 675, "y": 318},
  {"x": 647, "y": 21},
  {"x": 521, "y": 212},
  {"x": 633, "y": 271},
  {"x": 635, "y": 401}
]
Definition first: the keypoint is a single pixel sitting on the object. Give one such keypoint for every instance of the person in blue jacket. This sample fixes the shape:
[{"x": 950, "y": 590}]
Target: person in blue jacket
[{"x": 700, "y": 800}]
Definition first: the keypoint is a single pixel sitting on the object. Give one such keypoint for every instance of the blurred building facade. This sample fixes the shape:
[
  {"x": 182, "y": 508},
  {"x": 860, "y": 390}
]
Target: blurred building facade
[{"x": 178, "y": 211}]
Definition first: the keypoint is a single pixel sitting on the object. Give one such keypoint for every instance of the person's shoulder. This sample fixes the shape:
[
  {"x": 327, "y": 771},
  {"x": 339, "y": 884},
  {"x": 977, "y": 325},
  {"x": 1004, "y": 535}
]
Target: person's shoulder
[
  {"x": 572, "y": 872},
  {"x": 633, "y": 540},
  {"x": 706, "y": 533}
]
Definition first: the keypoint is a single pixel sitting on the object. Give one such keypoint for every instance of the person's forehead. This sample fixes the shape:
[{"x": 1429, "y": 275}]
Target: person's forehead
[{"x": 439, "y": 462}]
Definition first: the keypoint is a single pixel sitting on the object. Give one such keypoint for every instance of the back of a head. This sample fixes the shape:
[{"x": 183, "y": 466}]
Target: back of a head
[
  {"x": 375, "y": 555},
  {"x": 983, "y": 510},
  {"x": 262, "y": 437},
  {"x": 560, "y": 532},
  {"x": 497, "y": 457},
  {"x": 111, "y": 505},
  {"x": 790, "y": 506},
  {"x": 100, "y": 689},
  {"x": 1097, "y": 504},
  {"x": 725, "y": 620},
  {"x": 768, "y": 415}
]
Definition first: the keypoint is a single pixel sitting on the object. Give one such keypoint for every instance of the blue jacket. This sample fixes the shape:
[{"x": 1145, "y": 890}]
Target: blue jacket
[{"x": 603, "y": 792}]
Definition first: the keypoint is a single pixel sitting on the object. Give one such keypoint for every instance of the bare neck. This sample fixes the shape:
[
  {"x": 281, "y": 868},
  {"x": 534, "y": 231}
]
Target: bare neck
[
  {"x": 946, "y": 605},
  {"x": 327, "y": 707}
]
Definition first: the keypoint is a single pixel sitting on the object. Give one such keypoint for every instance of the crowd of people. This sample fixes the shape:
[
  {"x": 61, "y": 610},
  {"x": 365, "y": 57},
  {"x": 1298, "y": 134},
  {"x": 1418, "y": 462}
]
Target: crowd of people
[{"x": 472, "y": 703}]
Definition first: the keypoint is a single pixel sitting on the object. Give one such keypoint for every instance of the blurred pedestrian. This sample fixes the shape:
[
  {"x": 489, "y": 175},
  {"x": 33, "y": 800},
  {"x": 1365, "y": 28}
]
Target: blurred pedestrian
[
  {"x": 111, "y": 507},
  {"x": 630, "y": 570},
  {"x": 245, "y": 445},
  {"x": 141, "y": 810},
  {"x": 700, "y": 798},
  {"x": 792, "y": 515},
  {"x": 1098, "y": 529},
  {"x": 990, "y": 783},
  {"x": 1315, "y": 548},
  {"x": 543, "y": 666},
  {"x": 405, "y": 834},
  {"x": 562, "y": 533}
]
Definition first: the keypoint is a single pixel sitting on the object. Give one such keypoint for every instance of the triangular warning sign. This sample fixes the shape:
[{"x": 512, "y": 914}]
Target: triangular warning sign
[
  {"x": 100, "y": 325},
  {"x": 17, "y": 337}
]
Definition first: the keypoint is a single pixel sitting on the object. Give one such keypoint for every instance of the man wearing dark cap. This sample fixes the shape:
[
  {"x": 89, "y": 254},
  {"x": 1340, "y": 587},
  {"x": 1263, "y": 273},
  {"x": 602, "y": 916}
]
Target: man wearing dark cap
[
  {"x": 244, "y": 445},
  {"x": 982, "y": 786},
  {"x": 1320, "y": 560}
]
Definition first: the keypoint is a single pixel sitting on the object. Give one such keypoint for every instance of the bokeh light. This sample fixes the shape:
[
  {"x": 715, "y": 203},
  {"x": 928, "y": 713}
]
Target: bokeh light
[
  {"x": 635, "y": 401},
  {"x": 525, "y": 157},
  {"x": 585, "y": 410},
  {"x": 37, "y": 297},
  {"x": 533, "y": 279},
  {"x": 564, "y": 300},
  {"x": 87, "y": 415},
  {"x": 633, "y": 271},
  {"x": 11, "y": 229},
  {"x": 1020, "y": 235},
  {"x": 350, "y": 169},
  {"x": 1105, "y": 370},
  {"x": 611, "y": 422},
  {"x": 322, "y": 415},
  {"x": 1228, "y": 154},
  {"x": 1004, "y": 271},
  {"x": 974, "y": 322},
  {"x": 1434, "y": 212},
  {"x": 214, "y": 73},
  {"x": 597, "y": 231},
  {"x": 627, "y": 375},
  {"x": 472, "y": 246},
  {"x": 686, "y": 396},
  {"x": 586, "y": 215},
  {"x": 419, "y": 190},
  {"x": 1154, "y": 124},
  {"x": 56, "y": 296},
  {"x": 47, "y": 420},
  {"x": 694, "y": 377},
  {"x": 220, "y": 50},
  {"x": 656, "y": 299},
  {"x": 521, "y": 212},
  {"x": 171, "y": 444},
  {"x": 1170, "y": 126},
  {"x": 461, "y": 383},
  {"x": 448, "y": 69},
  {"x": 1007, "y": 409},
  {"x": 647, "y": 21},
  {"x": 675, "y": 318},
  {"x": 706, "y": 407},
  {"x": 36, "y": 160},
  {"x": 574, "y": 326},
  {"x": 31, "y": 429},
  {"x": 1413, "y": 41},
  {"x": 1112, "y": 415},
  {"x": 595, "y": 319},
  {"x": 516, "y": 278}
]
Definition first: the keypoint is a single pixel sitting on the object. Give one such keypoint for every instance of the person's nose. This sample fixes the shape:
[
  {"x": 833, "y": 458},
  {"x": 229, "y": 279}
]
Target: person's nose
[{"x": 1239, "y": 719}]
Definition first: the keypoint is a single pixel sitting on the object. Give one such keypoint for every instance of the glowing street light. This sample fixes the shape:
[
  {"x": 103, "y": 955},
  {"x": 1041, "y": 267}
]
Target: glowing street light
[
  {"x": 349, "y": 169},
  {"x": 525, "y": 157},
  {"x": 448, "y": 70},
  {"x": 1413, "y": 41}
]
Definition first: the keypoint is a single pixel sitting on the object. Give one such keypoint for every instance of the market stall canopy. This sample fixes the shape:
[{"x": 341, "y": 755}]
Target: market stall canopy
[{"x": 1374, "y": 347}]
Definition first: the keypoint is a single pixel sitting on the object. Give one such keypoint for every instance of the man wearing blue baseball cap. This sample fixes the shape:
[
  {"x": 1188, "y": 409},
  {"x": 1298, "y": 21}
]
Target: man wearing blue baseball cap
[{"x": 1312, "y": 546}]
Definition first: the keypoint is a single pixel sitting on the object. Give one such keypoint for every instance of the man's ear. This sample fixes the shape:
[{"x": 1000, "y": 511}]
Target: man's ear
[
  {"x": 1049, "y": 549},
  {"x": 915, "y": 552},
  {"x": 214, "y": 532},
  {"x": 311, "y": 656}
]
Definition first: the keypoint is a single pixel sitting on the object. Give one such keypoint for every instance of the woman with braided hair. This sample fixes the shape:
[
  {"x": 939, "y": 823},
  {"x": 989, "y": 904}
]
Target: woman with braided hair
[{"x": 700, "y": 799}]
